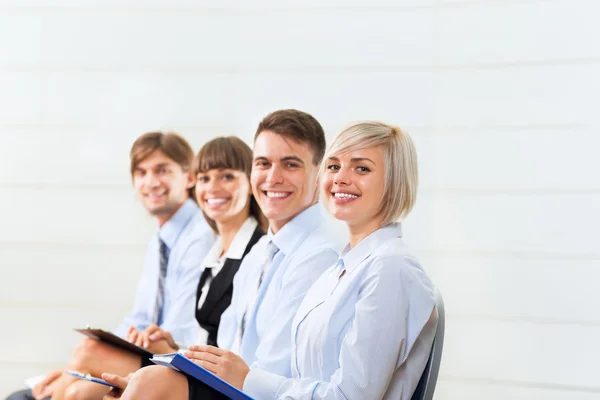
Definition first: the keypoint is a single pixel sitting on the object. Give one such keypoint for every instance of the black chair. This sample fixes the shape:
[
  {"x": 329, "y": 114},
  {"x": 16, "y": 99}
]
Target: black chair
[{"x": 426, "y": 386}]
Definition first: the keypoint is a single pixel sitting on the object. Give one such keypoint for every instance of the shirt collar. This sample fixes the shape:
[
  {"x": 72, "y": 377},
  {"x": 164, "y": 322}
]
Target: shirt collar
[
  {"x": 292, "y": 232},
  {"x": 351, "y": 258},
  {"x": 241, "y": 239},
  {"x": 237, "y": 247},
  {"x": 212, "y": 258},
  {"x": 171, "y": 230}
]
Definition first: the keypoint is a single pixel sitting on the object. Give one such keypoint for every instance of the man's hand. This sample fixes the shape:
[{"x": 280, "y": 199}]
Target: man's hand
[
  {"x": 46, "y": 387},
  {"x": 119, "y": 385},
  {"x": 226, "y": 365}
]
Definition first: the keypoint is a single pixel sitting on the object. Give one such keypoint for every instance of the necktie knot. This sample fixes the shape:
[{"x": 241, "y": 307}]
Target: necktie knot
[
  {"x": 163, "y": 251},
  {"x": 272, "y": 249},
  {"x": 341, "y": 268}
]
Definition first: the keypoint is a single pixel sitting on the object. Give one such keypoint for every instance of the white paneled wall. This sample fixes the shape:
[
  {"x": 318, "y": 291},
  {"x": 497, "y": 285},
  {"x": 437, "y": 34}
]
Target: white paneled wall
[{"x": 501, "y": 97}]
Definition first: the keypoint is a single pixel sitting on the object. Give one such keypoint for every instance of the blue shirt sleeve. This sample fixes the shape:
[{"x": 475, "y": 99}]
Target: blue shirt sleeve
[{"x": 139, "y": 317}]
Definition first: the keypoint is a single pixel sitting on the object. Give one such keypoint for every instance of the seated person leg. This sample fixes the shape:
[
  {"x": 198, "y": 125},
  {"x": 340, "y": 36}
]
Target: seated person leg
[
  {"x": 156, "y": 382},
  {"x": 84, "y": 390},
  {"x": 95, "y": 357}
]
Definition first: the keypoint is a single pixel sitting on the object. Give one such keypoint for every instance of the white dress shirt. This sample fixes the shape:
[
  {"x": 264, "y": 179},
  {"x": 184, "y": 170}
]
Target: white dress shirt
[
  {"x": 364, "y": 335},
  {"x": 307, "y": 247}
]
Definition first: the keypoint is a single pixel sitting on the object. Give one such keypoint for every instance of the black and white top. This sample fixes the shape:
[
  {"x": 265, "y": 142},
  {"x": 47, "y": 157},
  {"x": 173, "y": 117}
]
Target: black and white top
[{"x": 216, "y": 283}]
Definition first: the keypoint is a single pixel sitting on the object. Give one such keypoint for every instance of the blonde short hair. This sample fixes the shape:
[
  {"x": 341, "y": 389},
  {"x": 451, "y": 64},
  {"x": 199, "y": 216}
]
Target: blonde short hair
[{"x": 400, "y": 157}]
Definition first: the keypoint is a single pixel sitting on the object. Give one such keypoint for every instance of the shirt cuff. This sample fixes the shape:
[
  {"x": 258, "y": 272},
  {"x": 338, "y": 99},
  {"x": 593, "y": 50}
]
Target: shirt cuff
[{"x": 262, "y": 385}]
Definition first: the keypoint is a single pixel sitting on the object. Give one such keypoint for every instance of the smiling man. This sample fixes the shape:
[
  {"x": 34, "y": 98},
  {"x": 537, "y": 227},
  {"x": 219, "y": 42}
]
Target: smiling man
[
  {"x": 161, "y": 171},
  {"x": 275, "y": 276},
  {"x": 288, "y": 148}
]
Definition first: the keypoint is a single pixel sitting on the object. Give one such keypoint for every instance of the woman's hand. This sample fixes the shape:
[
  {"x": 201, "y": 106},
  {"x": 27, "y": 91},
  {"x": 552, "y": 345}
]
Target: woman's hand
[
  {"x": 157, "y": 340},
  {"x": 153, "y": 338},
  {"x": 226, "y": 365},
  {"x": 154, "y": 333}
]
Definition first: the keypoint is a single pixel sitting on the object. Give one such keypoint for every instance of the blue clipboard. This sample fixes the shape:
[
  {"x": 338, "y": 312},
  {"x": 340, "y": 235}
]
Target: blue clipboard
[
  {"x": 180, "y": 363},
  {"x": 88, "y": 377}
]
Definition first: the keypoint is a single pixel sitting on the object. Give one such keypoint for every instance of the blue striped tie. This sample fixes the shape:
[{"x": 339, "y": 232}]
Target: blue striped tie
[{"x": 160, "y": 294}]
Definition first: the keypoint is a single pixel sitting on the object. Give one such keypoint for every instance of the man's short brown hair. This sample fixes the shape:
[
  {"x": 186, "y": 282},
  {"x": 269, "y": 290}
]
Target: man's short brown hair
[
  {"x": 170, "y": 144},
  {"x": 298, "y": 126}
]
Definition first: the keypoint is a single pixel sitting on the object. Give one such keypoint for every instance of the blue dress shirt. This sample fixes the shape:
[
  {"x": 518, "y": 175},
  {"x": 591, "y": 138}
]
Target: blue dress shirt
[
  {"x": 364, "y": 330},
  {"x": 188, "y": 238},
  {"x": 307, "y": 247}
]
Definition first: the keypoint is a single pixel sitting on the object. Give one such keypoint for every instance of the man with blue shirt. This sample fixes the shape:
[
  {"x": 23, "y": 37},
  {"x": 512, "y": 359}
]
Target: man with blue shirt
[
  {"x": 299, "y": 246},
  {"x": 162, "y": 175},
  {"x": 275, "y": 276}
]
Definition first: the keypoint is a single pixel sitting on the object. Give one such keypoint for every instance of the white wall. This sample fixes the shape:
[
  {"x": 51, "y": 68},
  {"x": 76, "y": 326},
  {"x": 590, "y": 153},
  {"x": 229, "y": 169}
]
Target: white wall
[{"x": 501, "y": 98}]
